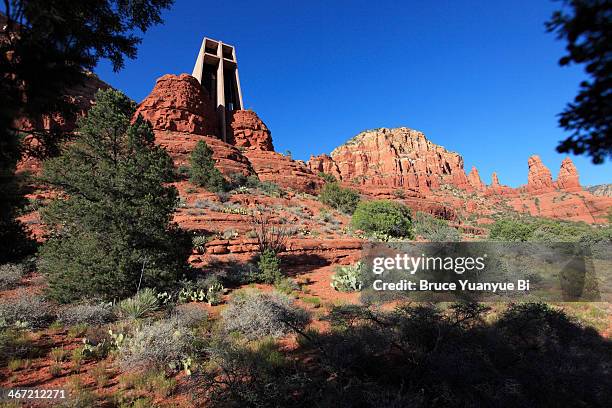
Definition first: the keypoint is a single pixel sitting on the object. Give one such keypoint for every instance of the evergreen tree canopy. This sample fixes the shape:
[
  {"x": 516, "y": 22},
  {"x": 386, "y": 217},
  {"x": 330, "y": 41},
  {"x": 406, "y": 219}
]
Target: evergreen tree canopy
[
  {"x": 203, "y": 170},
  {"x": 45, "y": 47},
  {"x": 112, "y": 221},
  {"x": 587, "y": 27}
]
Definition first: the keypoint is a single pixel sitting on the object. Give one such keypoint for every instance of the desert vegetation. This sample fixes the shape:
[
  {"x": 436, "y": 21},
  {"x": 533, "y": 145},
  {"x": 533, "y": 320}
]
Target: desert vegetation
[
  {"x": 526, "y": 229},
  {"x": 382, "y": 217},
  {"x": 203, "y": 171},
  {"x": 340, "y": 198}
]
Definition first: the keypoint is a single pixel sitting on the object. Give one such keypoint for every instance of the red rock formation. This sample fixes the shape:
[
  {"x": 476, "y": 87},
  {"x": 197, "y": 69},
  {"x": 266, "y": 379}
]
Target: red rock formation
[
  {"x": 179, "y": 103},
  {"x": 179, "y": 145},
  {"x": 495, "y": 180},
  {"x": 324, "y": 164},
  {"x": 575, "y": 206},
  {"x": 568, "y": 176},
  {"x": 250, "y": 132},
  {"x": 272, "y": 166},
  {"x": 497, "y": 188},
  {"x": 539, "y": 179},
  {"x": 475, "y": 181},
  {"x": 399, "y": 157}
]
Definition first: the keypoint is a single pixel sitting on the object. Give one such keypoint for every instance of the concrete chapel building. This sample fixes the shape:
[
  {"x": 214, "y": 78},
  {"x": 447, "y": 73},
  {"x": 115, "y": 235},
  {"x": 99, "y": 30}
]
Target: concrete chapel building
[{"x": 216, "y": 68}]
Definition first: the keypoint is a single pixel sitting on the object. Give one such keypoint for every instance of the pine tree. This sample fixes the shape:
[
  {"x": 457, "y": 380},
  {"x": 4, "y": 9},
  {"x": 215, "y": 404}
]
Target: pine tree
[
  {"x": 110, "y": 229},
  {"x": 203, "y": 170}
]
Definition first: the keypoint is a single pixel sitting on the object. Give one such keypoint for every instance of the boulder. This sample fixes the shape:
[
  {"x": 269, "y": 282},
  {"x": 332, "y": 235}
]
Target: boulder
[
  {"x": 249, "y": 132},
  {"x": 178, "y": 103}
]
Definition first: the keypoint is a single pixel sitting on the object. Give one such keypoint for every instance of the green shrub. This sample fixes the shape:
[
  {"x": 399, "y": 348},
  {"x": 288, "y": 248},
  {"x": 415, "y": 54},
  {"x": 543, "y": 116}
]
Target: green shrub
[
  {"x": 547, "y": 230},
  {"x": 329, "y": 178},
  {"x": 203, "y": 171},
  {"x": 243, "y": 184},
  {"x": 511, "y": 230},
  {"x": 268, "y": 267},
  {"x": 182, "y": 171},
  {"x": 434, "y": 229},
  {"x": 199, "y": 243},
  {"x": 271, "y": 189},
  {"x": 286, "y": 285},
  {"x": 257, "y": 314},
  {"x": 342, "y": 199},
  {"x": 140, "y": 305},
  {"x": 384, "y": 217},
  {"x": 348, "y": 278}
]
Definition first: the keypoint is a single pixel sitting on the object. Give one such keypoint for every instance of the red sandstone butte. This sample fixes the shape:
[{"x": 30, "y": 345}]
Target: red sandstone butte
[
  {"x": 568, "y": 176},
  {"x": 475, "y": 181},
  {"x": 249, "y": 132},
  {"x": 178, "y": 103},
  {"x": 539, "y": 179},
  {"x": 398, "y": 157}
]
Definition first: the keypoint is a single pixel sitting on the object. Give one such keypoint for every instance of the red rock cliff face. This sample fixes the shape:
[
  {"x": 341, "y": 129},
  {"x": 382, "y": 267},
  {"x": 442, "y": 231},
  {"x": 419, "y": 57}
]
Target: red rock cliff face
[
  {"x": 568, "y": 176},
  {"x": 250, "y": 132},
  {"x": 539, "y": 179},
  {"x": 288, "y": 173},
  {"x": 324, "y": 164},
  {"x": 178, "y": 103},
  {"x": 399, "y": 157}
]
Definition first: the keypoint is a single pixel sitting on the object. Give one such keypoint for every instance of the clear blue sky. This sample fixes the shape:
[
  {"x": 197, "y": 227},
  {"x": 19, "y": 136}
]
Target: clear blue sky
[{"x": 478, "y": 77}]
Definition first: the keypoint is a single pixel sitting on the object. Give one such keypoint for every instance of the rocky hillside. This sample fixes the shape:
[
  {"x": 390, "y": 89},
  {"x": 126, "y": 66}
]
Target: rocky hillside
[
  {"x": 383, "y": 161},
  {"x": 603, "y": 190},
  {"x": 401, "y": 164}
]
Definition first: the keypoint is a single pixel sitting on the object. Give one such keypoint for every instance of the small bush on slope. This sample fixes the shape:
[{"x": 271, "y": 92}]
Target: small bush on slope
[
  {"x": 256, "y": 314},
  {"x": 342, "y": 199},
  {"x": 383, "y": 217},
  {"x": 162, "y": 344},
  {"x": 268, "y": 268},
  {"x": 87, "y": 313},
  {"x": 434, "y": 229},
  {"x": 26, "y": 310}
]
